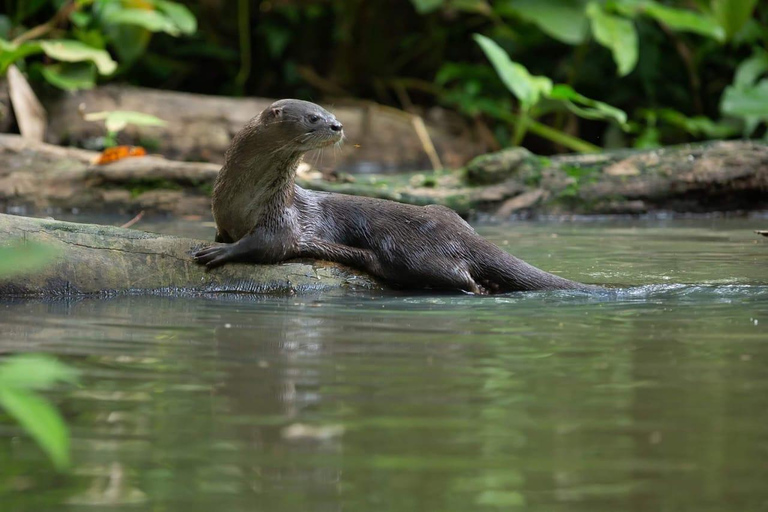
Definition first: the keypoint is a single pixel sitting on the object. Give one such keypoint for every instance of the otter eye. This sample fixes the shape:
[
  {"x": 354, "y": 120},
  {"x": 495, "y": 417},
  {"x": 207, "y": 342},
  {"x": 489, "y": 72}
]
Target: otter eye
[{"x": 314, "y": 118}]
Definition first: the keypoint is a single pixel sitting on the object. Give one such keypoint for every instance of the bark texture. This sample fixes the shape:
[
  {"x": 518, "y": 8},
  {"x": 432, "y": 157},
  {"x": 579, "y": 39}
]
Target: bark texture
[
  {"x": 37, "y": 178},
  {"x": 104, "y": 260}
]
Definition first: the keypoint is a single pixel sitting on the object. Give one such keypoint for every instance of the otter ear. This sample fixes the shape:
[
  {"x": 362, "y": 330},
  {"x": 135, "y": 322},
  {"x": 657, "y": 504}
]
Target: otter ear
[{"x": 275, "y": 112}]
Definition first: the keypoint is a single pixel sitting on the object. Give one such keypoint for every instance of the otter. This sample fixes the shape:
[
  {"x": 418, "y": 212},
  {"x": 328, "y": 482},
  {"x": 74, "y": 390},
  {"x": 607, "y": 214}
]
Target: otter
[{"x": 262, "y": 216}]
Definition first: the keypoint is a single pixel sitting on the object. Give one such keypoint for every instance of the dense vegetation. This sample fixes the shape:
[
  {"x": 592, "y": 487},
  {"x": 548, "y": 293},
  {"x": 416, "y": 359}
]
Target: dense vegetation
[{"x": 663, "y": 71}]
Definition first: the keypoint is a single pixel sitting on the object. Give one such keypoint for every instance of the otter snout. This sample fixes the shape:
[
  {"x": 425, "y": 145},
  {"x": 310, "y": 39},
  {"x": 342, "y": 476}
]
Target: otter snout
[{"x": 336, "y": 126}]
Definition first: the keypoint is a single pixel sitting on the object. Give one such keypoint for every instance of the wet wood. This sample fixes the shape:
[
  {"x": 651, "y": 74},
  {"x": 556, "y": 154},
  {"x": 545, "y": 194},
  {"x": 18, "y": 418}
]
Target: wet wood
[
  {"x": 105, "y": 260},
  {"x": 36, "y": 178}
]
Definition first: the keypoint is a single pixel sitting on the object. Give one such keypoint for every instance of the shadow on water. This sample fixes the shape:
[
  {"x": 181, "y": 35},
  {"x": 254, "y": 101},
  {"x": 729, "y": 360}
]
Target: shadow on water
[{"x": 646, "y": 398}]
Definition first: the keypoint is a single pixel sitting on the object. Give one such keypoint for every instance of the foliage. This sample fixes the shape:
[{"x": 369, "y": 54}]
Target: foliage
[
  {"x": 22, "y": 376},
  {"x": 643, "y": 37},
  {"x": 80, "y": 34},
  {"x": 116, "y": 120},
  {"x": 531, "y": 90},
  {"x": 666, "y": 63}
]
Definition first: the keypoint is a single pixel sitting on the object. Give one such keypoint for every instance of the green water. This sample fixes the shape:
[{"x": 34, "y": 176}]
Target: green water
[{"x": 651, "y": 399}]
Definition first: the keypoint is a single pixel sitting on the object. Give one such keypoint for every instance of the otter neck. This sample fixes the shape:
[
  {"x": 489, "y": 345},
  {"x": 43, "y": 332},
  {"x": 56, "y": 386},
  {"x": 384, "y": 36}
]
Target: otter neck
[{"x": 266, "y": 173}]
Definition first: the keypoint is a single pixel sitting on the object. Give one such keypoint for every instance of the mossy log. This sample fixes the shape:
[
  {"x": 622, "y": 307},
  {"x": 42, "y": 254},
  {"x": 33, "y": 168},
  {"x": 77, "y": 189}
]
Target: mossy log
[
  {"x": 718, "y": 176},
  {"x": 104, "y": 260}
]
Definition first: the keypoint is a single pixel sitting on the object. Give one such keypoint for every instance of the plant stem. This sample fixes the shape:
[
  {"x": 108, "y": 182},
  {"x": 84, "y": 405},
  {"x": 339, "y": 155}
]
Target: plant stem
[
  {"x": 565, "y": 140},
  {"x": 244, "y": 29},
  {"x": 521, "y": 126},
  {"x": 40, "y": 30}
]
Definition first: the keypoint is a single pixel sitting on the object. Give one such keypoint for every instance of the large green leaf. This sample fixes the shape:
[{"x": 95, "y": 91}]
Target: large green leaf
[
  {"x": 178, "y": 14},
  {"x": 748, "y": 102},
  {"x": 731, "y": 15},
  {"x": 685, "y": 20},
  {"x": 23, "y": 258},
  {"x": 527, "y": 88},
  {"x": 116, "y": 120},
  {"x": 154, "y": 21},
  {"x": 586, "y": 107},
  {"x": 751, "y": 69},
  {"x": 40, "y": 420},
  {"x": 70, "y": 76},
  {"x": 34, "y": 372},
  {"x": 75, "y": 51},
  {"x": 616, "y": 33},
  {"x": 564, "y": 20}
]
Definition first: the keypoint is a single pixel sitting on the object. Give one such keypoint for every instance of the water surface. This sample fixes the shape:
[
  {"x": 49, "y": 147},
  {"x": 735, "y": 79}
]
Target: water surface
[{"x": 652, "y": 398}]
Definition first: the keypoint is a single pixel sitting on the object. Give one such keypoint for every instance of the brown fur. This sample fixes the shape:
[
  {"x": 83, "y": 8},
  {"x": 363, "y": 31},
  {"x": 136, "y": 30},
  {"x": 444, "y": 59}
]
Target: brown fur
[{"x": 266, "y": 218}]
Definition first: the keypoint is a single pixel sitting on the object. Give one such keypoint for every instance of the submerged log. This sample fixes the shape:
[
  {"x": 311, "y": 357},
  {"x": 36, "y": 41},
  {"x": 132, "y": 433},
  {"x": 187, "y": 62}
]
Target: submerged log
[{"x": 104, "y": 260}]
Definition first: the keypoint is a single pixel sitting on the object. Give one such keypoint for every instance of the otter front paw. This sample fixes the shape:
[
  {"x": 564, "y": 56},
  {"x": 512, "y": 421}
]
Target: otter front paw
[{"x": 214, "y": 256}]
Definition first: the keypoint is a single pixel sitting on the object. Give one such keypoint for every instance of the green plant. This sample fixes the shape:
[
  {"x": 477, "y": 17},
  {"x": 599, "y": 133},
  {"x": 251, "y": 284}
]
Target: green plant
[
  {"x": 747, "y": 97},
  {"x": 116, "y": 120},
  {"x": 532, "y": 91},
  {"x": 23, "y": 376},
  {"x": 672, "y": 93},
  {"x": 81, "y": 33}
]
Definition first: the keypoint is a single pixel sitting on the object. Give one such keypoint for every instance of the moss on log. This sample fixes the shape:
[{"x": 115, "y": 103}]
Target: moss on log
[
  {"x": 104, "y": 260},
  {"x": 716, "y": 176}
]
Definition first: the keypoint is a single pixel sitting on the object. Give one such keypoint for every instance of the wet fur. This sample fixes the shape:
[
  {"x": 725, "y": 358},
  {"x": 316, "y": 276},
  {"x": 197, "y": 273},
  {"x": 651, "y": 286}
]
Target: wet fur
[{"x": 262, "y": 216}]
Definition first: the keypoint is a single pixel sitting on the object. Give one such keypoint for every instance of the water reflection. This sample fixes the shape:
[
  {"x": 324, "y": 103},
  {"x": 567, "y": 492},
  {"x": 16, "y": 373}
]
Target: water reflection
[{"x": 647, "y": 398}]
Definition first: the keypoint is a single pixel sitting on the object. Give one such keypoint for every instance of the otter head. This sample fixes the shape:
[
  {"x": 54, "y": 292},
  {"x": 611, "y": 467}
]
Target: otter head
[{"x": 301, "y": 124}]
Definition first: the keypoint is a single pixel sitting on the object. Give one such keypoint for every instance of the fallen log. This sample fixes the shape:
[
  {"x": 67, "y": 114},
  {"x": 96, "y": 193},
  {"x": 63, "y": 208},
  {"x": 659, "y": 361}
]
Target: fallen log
[
  {"x": 716, "y": 176},
  {"x": 200, "y": 128},
  {"x": 105, "y": 260}
]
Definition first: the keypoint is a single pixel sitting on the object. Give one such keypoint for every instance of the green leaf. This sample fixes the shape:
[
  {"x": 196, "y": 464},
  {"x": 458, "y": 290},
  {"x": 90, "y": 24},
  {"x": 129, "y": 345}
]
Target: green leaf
[
  {"x": 154, "y": 21},
  {"x": 617, "y": 34},
  {"x": 586, "y": 107},
  {"x": 698, "y": 126},
  {"x": 685, "y": 21},
  {"x": 11, "y": 53},
  {"x": 75, "y": 51},
  {"x": 731, "y": 15},
  {"x": 70, "y": 76},
  {"x": 40, "y": 420},
  {"x": 427, "y": 6},
  {"x": 564, "y": 20},
  {"x": 750, "y": 103},
  {"x": 750, "y": 70},
  {"x": 34, "y": 372},
  {"x": 527, "y": 88},
  {"x": 80, "y": 19},
  {"x": 182, "y": 17},
  {"x": 116, "y": 120},
  {"x": 23, "y": 258}
]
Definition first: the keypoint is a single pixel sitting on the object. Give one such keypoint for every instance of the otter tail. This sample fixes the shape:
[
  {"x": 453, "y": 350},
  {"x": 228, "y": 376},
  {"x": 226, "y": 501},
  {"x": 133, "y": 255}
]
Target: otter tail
[{"x": 498, "y": 272}]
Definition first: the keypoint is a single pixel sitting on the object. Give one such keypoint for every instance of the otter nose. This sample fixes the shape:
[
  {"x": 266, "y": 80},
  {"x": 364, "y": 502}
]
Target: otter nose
[{"x": 336, "y": 126}]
